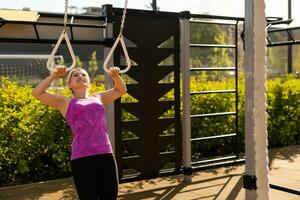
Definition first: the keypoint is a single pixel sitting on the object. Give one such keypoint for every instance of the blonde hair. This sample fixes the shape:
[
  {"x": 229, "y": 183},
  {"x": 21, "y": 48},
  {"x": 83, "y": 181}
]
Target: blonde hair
[{"x": 68, "y": 78}]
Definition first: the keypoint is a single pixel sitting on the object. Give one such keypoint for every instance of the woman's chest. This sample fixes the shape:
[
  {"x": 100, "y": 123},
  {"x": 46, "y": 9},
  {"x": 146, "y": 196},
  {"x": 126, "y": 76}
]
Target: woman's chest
[{"x": 87, "y": 111}]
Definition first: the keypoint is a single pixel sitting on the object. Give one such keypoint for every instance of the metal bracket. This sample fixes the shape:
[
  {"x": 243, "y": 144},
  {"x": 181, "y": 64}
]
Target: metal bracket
[
  {"x": 249, "y": 182},
  {"x": 187, "y": 171}
]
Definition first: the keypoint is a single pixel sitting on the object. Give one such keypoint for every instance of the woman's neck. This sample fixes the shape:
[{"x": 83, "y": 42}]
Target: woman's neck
[{"x": 81, "y": 94}]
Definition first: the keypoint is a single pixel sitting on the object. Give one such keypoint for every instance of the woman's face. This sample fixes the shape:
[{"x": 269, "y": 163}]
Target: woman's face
[{"x": 79, "y": 79}]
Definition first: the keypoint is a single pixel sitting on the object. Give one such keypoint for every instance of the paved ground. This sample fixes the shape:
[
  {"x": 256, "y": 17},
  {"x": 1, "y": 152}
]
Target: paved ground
[{"x": 218, "y": 184}]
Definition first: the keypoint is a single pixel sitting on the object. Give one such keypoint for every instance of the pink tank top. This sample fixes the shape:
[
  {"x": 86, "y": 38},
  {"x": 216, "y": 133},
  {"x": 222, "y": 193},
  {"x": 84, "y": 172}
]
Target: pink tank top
[{"x": 87, "y": 120}]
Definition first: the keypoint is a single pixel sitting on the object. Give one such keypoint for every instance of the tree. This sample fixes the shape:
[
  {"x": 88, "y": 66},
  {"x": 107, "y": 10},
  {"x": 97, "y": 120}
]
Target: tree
[
  {"x": 78, "y": 62},
  {"x": 209, "y": 34},
  {"x": 93, "y": 64}
]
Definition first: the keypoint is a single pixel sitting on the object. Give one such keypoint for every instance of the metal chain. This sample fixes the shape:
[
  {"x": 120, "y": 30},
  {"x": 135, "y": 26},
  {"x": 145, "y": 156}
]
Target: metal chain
[
  {"x": 66, "y": 15},
  {"x": 123, "y": 17}
]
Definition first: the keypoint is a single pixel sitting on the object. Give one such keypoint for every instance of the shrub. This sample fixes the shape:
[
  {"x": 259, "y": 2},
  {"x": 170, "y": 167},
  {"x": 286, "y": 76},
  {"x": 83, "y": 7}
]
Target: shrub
[
  {"x": 283, "y": 97},
  {"x": 284, "y": 112},
  {"x": 35, "y": 139}
]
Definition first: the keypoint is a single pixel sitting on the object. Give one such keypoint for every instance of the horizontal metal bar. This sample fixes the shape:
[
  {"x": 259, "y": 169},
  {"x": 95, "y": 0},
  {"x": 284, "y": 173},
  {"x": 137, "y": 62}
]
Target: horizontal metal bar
[
  {"x": 216, "y": 17},
  {"x": 51, "y": 24},
  {"x": 288, "y": 21},
  {"x": 285, "y": 189},
  {"x": 218, "y": 164},
  {"x": 130, "y": 157},
  {"x": 24, "y": 56},
  {"x": 47, "y": 41},
  {"x": 131, "y": 139},
  {"x": 214, "y": 160},
  {"x": 213, "y": 45},
  {"x": 169, "y": 170},
  {"x": 284, "y": 43},
  {"x": 212, "y": 68},
  {"x": 76, "y": 16},
  {"x": 147, "y": 12},
  {"x": 272, "y": 19},
  {"x": 131, "y": 178},
  {"x": 212, "y": 92},
  {"x": 284, "y": 29},
  {"x": 211, "y": 22},
  {"x": 213, "y": 114},
  {"x": 167, "y": 153},
  {"x": 213, "y": 137},
  {"x": 166, "y": 136}
]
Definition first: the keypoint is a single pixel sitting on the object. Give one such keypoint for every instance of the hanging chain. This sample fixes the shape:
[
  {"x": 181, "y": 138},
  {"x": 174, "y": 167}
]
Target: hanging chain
[
  {"x": 66, "y": 15},
  {"x": 123, "y": 17},
  {"x": 120, "y": 40}
]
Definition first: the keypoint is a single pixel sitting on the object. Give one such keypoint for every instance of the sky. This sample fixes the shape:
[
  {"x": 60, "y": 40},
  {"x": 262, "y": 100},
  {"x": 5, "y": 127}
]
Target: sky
[{"x": 274, "y": 8}]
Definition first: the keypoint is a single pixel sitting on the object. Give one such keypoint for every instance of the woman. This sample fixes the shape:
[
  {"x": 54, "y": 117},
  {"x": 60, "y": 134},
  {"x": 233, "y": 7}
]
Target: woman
[{"x": 93, "y": 163}]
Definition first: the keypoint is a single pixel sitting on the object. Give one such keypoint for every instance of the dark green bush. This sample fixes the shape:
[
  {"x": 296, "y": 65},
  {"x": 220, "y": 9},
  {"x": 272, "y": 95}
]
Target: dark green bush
[
  {"x": 284, "y": 112},
  {"x": 283, "y": 98},
  {"x": 211, "y": 126},
  {"x": 35, "y": 140}
]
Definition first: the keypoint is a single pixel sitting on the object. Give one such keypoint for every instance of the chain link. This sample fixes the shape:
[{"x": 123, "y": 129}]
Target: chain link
[
  {"x": 122, "y": 21},
  {"x": 66, "y": 15},
  {"x": 122, "y": 42},
  {"x": 123, "y": 17}
]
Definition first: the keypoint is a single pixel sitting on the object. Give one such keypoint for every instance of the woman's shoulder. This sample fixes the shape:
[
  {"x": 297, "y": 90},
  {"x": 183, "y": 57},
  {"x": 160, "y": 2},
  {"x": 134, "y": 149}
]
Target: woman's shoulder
[{"x": 65, "y": 104}]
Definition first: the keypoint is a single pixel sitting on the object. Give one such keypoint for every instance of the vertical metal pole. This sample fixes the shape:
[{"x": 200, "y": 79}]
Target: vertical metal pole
[
  {"x": 185, "y": 66},
  {"x": 290, "y": 47},
  {"x": 154, "y": 5},
  {"x": 249, "y": 96},
  {"x": 110, "y": 109},
  {"x": 236, "y": 90}
]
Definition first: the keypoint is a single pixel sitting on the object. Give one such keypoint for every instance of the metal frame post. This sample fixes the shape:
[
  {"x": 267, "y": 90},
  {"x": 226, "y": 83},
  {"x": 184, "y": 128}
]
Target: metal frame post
[
  {"x": 186, "y": 122},
  {"x": 249, "y": 97},
  {"x": 154, "y": 5},
  {"x": 290, "y": 47},
  {"x": 236, "y": 90}
]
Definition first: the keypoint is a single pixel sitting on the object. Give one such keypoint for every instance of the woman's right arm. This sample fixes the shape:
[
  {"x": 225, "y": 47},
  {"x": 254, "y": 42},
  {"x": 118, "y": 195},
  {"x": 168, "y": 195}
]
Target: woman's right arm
[{"x": 56, "y": 101}]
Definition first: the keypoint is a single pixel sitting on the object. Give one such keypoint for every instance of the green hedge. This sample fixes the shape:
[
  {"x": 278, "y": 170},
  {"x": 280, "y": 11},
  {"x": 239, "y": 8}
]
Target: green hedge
[
  {"x": 283, "y": 115},
  {"x": 209, "y": 126},
  {"x": 284, "y": 112},
  {"x": 35, "y": 140}
]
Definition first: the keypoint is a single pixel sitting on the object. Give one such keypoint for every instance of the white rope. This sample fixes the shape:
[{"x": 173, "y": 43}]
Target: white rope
[
  {"x": 121, "y": 40},
  {"x": 260, "y": 116},
  {"x": 64, "y": 35}
]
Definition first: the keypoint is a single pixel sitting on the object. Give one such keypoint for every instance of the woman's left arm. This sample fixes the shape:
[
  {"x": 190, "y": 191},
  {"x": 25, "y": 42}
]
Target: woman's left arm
[{"x": 119, "y": 89}]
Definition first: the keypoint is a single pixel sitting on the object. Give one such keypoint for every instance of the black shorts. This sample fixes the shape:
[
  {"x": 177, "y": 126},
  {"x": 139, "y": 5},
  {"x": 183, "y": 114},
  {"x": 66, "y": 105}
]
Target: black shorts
[{"x": 96, "y": 177}]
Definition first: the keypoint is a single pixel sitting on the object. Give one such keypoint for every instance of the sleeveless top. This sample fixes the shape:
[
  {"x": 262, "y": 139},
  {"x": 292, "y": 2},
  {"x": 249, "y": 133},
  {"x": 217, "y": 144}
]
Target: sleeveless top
[{"x": 87, "y": 120}]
